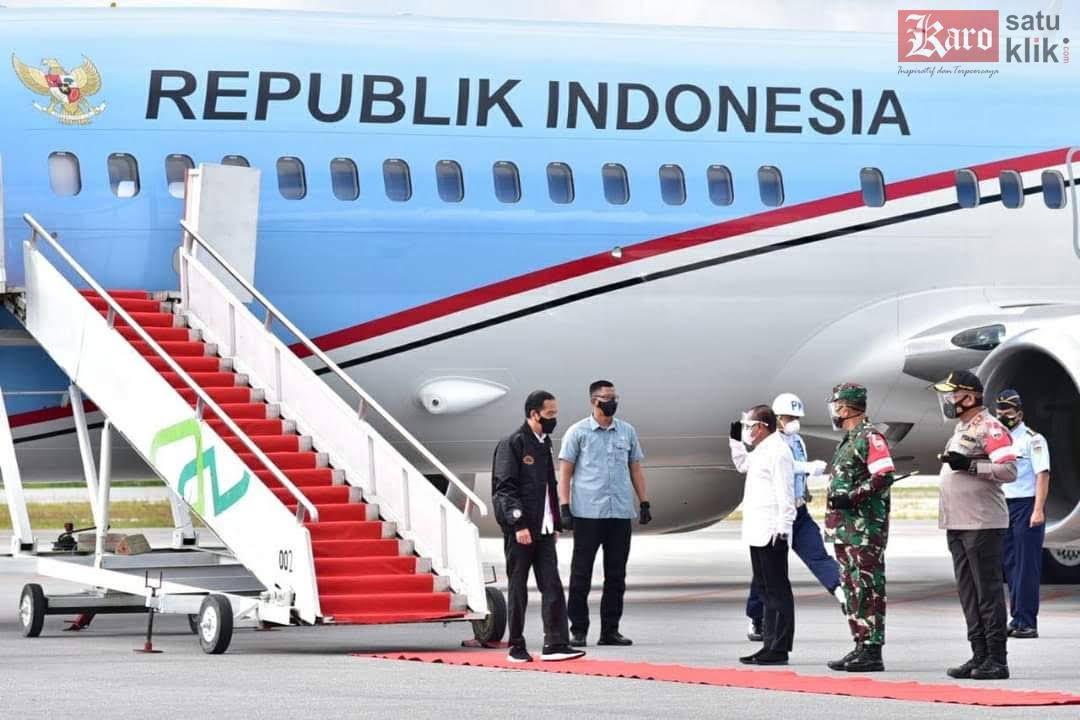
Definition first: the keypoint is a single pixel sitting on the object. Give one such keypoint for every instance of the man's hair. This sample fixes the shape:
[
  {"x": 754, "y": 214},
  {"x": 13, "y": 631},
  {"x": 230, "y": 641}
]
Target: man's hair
[
  {"x": 536, "y": 401},
  {"x": 764, "y": 414},
  {"x": 599, "y": 385}
]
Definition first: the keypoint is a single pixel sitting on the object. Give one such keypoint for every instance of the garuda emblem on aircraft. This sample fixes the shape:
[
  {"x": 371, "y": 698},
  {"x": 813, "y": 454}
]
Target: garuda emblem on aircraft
[{"x": 68, "y": 92}]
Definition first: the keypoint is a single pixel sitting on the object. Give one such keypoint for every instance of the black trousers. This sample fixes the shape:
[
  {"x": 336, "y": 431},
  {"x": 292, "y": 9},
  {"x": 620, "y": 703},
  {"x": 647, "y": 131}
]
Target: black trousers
[
  {"x": 976, "y": 558},
  {"x": 770, "y": 564},
  {"x": 613, "y": 535},
  {"x": 540, "y": 557}
]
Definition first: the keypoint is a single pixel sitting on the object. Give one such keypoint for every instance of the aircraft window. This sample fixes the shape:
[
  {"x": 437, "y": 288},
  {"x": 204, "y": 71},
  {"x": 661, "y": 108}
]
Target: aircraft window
[
  {"x": 397, "y": 180},
  {"x": 507, "y": 182},
  {"x": 770, "y": 185},
  {"x": 616, "y": 184},
  {"x": 345, "y": 179},
  {"x": 560, "y": 180},
  {"x": 176, "y": 167},
  {"x": 967, "y": 189},
  {"x": 672, "y": 185},
  {"x": 450, "y": 181},
  {"x": 290, "y": 178},
  {"x": 123, "y": 175},
  {"x": 872, "y": 183},
  {"x": 721, "y": 188},
  {"x": 1053, "y": 188},
  {"x": 1012, "y": 189},
  {"x": 64, "y": 176},
  {"x": 235, "y": 161}
]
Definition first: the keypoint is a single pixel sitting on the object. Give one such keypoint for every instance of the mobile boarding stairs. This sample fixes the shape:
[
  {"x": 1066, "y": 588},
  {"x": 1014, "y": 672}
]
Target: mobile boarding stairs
[{"x": 321, "y": 519}]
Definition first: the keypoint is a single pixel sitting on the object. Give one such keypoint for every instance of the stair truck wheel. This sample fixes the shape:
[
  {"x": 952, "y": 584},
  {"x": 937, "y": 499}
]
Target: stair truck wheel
[
  {"x": 32, "y": 607},
  {"x": 215, "y": 624},
  {"x": 492, "y": 628},
  {"x": 193, "y": 623}
]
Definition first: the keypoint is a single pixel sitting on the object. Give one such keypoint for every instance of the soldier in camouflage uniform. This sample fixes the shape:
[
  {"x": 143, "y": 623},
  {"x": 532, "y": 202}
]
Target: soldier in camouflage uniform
[{"x": 858, "y": 524}]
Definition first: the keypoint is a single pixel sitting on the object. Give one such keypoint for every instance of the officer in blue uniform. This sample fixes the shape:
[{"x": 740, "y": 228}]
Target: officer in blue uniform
[{"x": 1026, "y": 498}]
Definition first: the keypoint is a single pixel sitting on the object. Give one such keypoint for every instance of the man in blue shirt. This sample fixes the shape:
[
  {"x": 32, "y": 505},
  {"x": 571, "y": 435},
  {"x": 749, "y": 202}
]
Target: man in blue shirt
[
  {"x": 806, "y": 538},
  {"x": 1026, "y": 498},
  {"x": 600, "y": 471}
]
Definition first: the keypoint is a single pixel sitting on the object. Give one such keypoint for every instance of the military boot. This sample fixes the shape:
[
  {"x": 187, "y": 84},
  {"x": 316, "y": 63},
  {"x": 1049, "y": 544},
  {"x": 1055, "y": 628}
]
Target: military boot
[
  {"x": 841, "y": 664},
  {"x": 978, "y": 657},
  {"x": 868, "y": 660},
  {"x": 995, "y": 666}
]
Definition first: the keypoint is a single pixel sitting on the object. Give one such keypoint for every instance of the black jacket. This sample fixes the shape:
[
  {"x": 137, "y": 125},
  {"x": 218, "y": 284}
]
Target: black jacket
[{"x": 523, "y": 468}]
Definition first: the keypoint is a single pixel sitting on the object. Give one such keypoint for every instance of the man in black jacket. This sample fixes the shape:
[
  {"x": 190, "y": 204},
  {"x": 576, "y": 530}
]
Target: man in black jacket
[{"x": 524, "y": 496}]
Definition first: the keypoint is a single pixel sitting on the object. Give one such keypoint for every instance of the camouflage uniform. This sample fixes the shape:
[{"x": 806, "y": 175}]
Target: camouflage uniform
[{"x": 863, "y": 470}]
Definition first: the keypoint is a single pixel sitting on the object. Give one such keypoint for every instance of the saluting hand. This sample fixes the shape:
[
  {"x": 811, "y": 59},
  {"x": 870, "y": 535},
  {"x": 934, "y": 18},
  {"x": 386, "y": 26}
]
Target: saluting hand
[{"x": 524, "y": 537}]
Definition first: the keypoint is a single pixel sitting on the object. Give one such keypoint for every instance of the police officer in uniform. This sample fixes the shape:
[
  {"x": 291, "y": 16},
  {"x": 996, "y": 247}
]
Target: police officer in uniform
[
  {"x": 524, "y": 496},
  {"x": 858, "y": 524}
]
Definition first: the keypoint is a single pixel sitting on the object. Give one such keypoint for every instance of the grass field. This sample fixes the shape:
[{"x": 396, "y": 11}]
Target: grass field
[{"x": 917, "y": 503}]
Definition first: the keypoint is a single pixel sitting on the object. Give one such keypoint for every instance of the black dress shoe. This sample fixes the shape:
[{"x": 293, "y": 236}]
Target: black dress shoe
[
  {"x": 751, "y": 659},
  {"x": 771, "y": 657},
  {"x": 577, "y": 640},
  {"x": 1024, "y": 633},
  {"x": 614, "y": 639}
]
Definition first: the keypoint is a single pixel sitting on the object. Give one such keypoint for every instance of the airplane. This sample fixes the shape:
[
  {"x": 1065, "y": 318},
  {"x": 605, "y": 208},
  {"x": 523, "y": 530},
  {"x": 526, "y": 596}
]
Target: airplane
[{"x": 462, "y": 211}]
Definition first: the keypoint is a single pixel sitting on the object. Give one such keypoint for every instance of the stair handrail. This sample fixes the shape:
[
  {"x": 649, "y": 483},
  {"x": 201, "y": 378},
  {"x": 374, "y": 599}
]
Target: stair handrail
[
  {"x": 204, "y": 400},
  {"x": 191, "y": 237}
]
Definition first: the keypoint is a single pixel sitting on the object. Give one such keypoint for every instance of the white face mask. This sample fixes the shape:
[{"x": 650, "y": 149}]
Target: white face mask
[
  {"x": 792, "y": 427},
  {"x": 747, "y": 433}
]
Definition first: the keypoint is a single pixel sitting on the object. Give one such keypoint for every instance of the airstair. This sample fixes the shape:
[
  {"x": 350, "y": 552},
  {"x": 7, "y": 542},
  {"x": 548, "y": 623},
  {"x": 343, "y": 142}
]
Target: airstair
[{"x": 320, "y": 518}]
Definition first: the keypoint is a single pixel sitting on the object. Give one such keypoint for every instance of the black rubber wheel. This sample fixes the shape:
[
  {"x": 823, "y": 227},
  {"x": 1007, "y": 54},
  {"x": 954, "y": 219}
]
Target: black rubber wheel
[
  {"x": 215, "y": 624},
  {"x": 193, "y": 623},
  {"x": 492, "y": 628},
  {"x": 32, "y": 607},
  {"x": 1061, "y": 567}
]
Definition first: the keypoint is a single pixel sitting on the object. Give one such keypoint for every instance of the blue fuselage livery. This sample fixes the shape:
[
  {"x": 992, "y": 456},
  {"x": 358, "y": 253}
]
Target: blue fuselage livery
[{"x": 533, "y": 205}]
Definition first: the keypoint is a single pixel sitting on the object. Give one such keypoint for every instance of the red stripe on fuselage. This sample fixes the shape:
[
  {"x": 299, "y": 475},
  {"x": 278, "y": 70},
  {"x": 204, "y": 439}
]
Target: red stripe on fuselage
[{"x": 663, "y": 245}]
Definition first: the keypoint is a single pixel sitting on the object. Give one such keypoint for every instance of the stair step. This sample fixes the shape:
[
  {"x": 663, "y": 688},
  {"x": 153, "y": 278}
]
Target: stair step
[
  {"x": 392, "y": 618},
  {"x": 250, "y": 411},
  {"x": 301, "y": 477},
  {"x": 134, "y": 294},
  {"x": 222, "y": 395},
  {"x": 287, "y": 460},
  {"x": 341, "y": 512},
  {"x": 251, "y": 427},
  {"x": 356, "y": 548},
  {"x": 131, "y": 304},
  {"x": 405, "y": 603},
  {"x": 333, "y": 494},
  {"x": 272, "y": 443},
  {"x": 392, "y": 565},
  {"x": 207, "y": 379},
  {"x": 161, "y": 334},
  {"x": 370, "y": 584},
  {"x": 146, "y": 319},
  {"x": 360, "y": 530},
  {"x": 190, "y": 364},
  {"x": 175, "y": 348}
]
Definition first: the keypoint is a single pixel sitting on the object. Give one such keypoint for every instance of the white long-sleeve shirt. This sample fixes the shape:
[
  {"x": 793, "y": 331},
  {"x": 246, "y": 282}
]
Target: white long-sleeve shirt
[{"x": 768, "y": 505}]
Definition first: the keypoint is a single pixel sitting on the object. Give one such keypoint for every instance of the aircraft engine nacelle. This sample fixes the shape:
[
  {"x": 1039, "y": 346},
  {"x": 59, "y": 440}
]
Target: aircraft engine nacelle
[{"x": 1044, "y": 366}]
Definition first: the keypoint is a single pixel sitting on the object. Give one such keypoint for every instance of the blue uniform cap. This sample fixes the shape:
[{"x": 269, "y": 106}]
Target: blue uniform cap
[{"x": 1009, "y": 400}]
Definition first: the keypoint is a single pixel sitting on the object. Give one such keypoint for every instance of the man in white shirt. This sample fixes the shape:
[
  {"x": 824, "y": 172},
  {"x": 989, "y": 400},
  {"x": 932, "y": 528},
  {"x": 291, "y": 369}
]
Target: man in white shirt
[{"x": 768, "y": 509}]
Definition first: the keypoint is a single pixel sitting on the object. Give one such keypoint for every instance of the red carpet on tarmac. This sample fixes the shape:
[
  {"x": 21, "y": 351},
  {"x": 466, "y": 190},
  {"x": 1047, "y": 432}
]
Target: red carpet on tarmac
[{"x": 782, "y": 681}]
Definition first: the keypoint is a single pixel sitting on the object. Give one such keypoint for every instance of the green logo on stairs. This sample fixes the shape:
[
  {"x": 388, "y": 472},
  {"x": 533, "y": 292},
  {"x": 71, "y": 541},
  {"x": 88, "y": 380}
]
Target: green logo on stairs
[{"x": 205, "y": 463}]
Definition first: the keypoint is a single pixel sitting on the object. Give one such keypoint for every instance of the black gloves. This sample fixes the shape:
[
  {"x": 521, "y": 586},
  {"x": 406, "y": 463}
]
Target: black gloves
[
  {"x": 956, "y": 461},
  {"x": 736, "y": 431},
  {"x": 840, "y": 502},
  {"x": 566, "y": 518},
  {"x": 646, "y": 514}
]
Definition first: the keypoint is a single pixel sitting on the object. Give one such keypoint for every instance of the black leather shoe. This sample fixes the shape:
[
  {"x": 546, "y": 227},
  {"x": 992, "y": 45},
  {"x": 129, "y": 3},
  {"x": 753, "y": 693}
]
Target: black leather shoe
[
  {"x": 868, "y": 659},
  {"x": 771, "y": 657},
  {"x": 577, "y": 640},
  {"x": 841, "y": 664},
  {"x": 991, "y": 669},
  {"x": 614, "y": 638},
  {"x": 751, "y": 659},
  {"x": 1024, "y": 633},
  {"x": 963, "y": 672}
]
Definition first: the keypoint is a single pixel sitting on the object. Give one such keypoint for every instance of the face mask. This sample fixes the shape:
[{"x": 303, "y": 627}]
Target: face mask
[
  {"x": 792, "y": 427},
  {"x": 608, "y": 407},
  {"x": 548, "y": 424},
  {"x": 1010, "y": 422},
  {"x": 834, "y": 416},
  {"x": 950, "y": 408},
  {"x": 748, "y": 435}
]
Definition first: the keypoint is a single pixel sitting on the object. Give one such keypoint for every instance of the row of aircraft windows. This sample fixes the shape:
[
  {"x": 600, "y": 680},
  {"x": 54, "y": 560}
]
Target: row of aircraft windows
[{"x": 66, "y": 180}]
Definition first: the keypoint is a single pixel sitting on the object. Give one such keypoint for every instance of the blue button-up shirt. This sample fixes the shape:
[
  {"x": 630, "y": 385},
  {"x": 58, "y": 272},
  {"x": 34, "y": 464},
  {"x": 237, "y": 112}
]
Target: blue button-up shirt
[
  {"x": 798, "y": 451},
  {"x": 601, "y": 486},
  {"x": 1032, "y": 458}
]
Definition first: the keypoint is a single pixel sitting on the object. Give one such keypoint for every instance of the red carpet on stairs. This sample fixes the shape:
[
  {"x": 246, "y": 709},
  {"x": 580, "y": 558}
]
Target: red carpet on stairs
[
  {"x": 361, "y": 575},
  {"x": 782, "y": 681}
]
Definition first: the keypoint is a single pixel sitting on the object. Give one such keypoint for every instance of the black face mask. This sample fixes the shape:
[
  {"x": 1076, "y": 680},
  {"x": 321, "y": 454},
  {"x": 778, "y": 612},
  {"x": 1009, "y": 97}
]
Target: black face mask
[
  {"x": 547, "y": 425},
  {"x": 1010, "y": 422},
  {"x": 608, "y": 407}
]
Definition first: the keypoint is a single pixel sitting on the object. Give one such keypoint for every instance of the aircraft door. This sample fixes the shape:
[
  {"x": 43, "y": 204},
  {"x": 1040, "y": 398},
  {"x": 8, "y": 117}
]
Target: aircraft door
[
  {"x": 1071, "y": 160},
  {"x": 3, "y": 265}
]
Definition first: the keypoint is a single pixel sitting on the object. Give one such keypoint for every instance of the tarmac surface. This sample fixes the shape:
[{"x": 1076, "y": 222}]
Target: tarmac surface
[{"x": 685, "y": 603}]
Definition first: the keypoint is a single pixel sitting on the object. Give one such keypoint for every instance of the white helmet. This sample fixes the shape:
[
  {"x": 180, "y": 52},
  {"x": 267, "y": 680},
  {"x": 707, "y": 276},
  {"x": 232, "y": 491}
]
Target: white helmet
[{"x": 788, "y": 404}]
